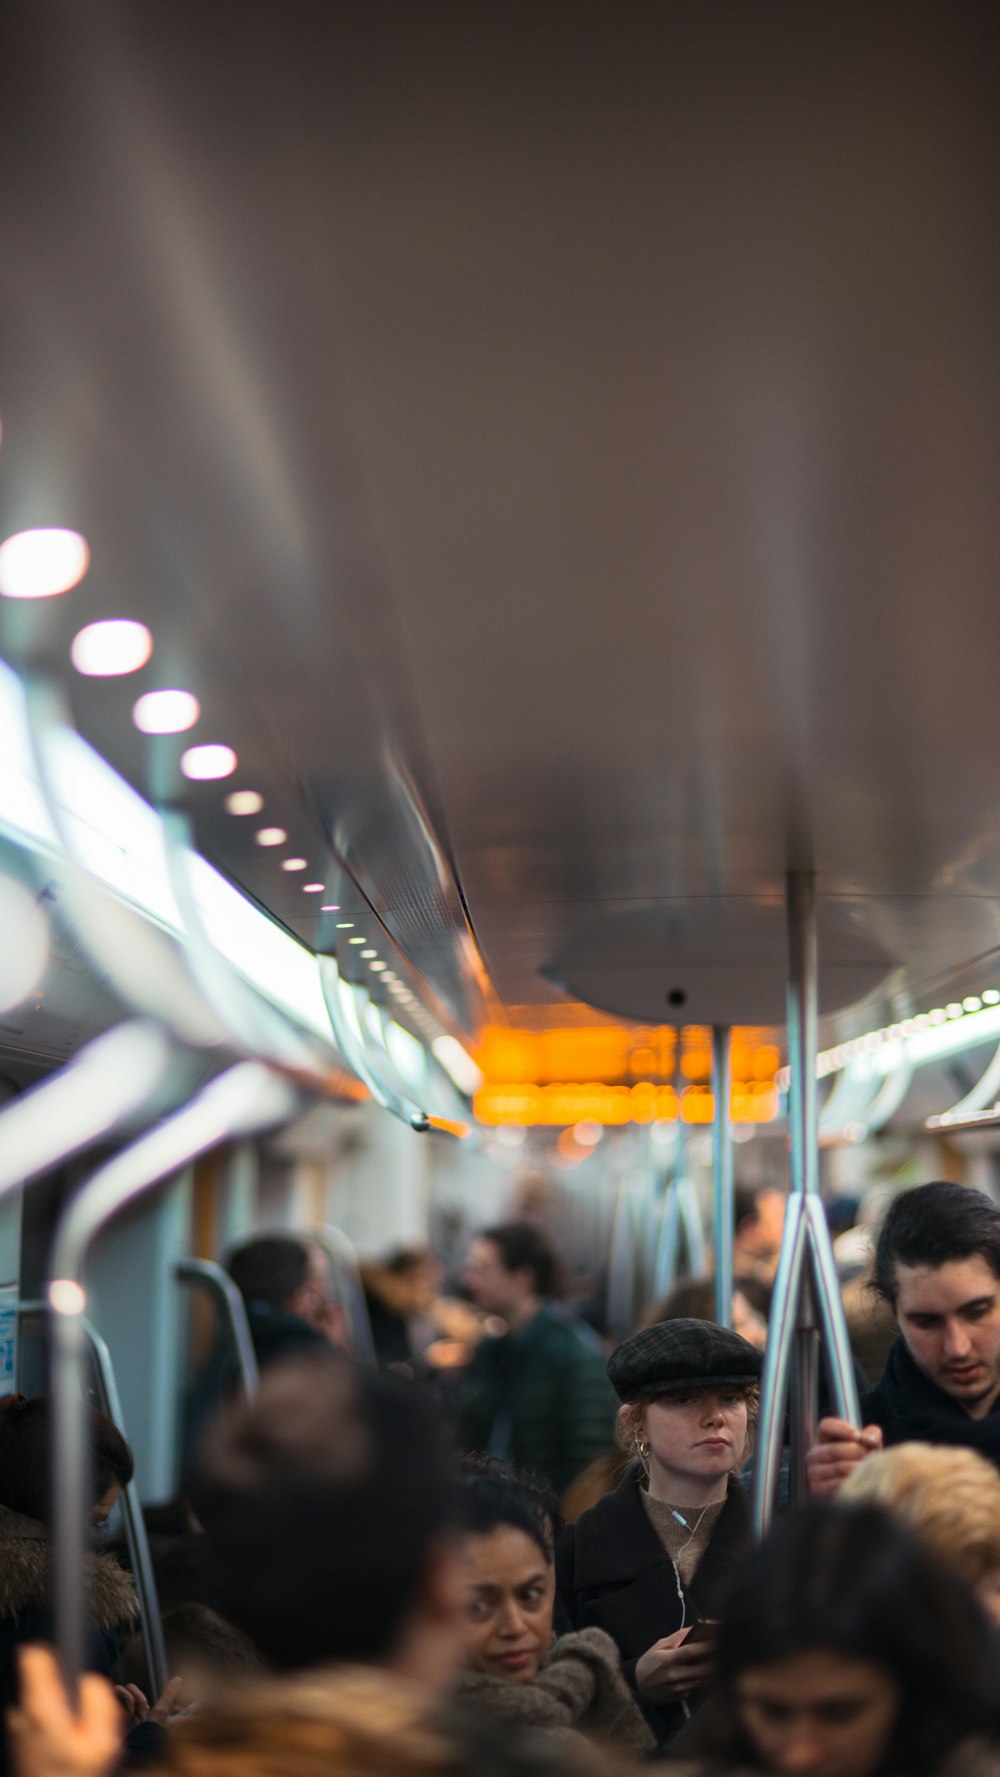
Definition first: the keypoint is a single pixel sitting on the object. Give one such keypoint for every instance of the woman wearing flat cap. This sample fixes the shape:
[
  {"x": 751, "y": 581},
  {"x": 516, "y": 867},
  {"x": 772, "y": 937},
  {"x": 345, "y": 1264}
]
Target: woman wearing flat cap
[{"x": 648, "y": 1562}]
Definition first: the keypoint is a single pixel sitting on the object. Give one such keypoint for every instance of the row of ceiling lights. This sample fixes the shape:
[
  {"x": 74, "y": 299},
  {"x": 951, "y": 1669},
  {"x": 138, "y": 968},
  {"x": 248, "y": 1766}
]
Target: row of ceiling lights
[
  {"x": 829, "y": 1060},
  {"x": 46, "y": 563}
]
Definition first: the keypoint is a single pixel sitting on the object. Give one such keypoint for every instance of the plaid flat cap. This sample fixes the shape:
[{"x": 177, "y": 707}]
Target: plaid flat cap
[{"x": 681, "y": 1354}]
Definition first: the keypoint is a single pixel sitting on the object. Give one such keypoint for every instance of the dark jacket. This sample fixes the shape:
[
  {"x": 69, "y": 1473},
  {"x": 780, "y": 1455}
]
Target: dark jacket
[
  {"x": 540, "y": 1397},
  {"x": 907, "y": 1404},
  {"x": 613, "y": 1572}
]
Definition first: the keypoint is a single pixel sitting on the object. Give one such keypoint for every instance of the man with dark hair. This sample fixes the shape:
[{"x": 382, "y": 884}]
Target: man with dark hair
[
  {"x": 538, "y": 1393},
  {"x": 937, "y": 1266},
  {"x": 286, "y": 1286}
]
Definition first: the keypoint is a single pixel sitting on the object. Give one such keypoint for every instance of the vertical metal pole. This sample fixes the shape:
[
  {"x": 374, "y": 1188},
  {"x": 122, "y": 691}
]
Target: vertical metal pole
[
  {"x": 722, "y": 1170},
  {"x": 803, "y": 1019},
  {"x": 71, "y": 1485}
]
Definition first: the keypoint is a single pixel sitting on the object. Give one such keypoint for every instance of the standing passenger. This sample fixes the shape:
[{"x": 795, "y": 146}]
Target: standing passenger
[
  {"x": 537, "y": 1394},
  {"x": 648, "y": 1562},
  {"x": 937, "y": 1265}
]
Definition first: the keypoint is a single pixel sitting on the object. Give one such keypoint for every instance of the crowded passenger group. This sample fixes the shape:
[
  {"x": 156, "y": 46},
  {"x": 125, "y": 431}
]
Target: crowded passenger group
[{"x": 507, "y": 1547}]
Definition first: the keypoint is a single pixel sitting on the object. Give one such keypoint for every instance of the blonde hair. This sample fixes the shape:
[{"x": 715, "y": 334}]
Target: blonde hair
[
  {"x": 630, "y": 1422},
  {"x": 950, "y": 1497}
]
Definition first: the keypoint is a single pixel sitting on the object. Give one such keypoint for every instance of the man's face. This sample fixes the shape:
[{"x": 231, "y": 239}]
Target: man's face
[
  {"x": 492, "y": 1287},
  {"x": 949, "y": 1316}
]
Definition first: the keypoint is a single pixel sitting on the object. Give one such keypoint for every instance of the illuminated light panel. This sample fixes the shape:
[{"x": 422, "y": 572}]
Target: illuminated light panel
[
  {"x": 568, "y": 1105},
  {"x": 368, "y": 954},
  {"x": 42, "y": 564},
  {"x": 972, "y": 1004},
  {"x": 357, "y": 940},
  {"x": 330, "y": 907},
  {"x": 618, "y": 1054},
  {"x": 242, "y": 802},
  {"x": 270, "y": 836},
  {"x": 314, "y": 888},
  {"x": 110, "y": 649},
  {"x": 377, "y": 967},
  {"x": 202, "y": 764},
  {"x": 991, "y": 997},
  {"x": 166, "y": 712},
  {"x": 344, "y": 925},
  {"x": 292, "y": 864}
]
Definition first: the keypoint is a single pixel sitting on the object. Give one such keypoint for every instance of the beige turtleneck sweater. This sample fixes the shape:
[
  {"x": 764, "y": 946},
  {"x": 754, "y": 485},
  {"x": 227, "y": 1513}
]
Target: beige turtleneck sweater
[{"x": 684, "y": 1549}]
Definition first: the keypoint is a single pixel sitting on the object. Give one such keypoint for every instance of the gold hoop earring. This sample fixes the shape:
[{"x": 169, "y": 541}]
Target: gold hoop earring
[{"x": 643, "y": 1450}]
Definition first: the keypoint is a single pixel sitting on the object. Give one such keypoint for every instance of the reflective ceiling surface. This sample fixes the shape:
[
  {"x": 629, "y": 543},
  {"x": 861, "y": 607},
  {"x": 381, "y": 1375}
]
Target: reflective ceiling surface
[{"x": 558, "y": 445}]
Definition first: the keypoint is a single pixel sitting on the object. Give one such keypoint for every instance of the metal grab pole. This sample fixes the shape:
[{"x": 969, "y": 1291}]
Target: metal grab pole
[
  {"x": 806, "y": 1300},
  {"x": 722, "y": 1174},
  {"x": 803, "y": 1042},
  {"x": 248, "y": 1097}
]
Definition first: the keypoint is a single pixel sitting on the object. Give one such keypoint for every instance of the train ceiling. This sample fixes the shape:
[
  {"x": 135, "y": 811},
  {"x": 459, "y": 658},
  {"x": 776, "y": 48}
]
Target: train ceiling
[{"x": 557, "y": 446}]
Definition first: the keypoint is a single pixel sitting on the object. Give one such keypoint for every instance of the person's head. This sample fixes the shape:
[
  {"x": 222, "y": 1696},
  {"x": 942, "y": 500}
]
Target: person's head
[
  {"x": 937, "y": 1265},
  {"x": 417, "y": 1275},
  {"x": 758, "y": 1220},
  {"x": 328, "y": 1502},
  {"x": 846, "y": 1650},
  {"x": 284, "y": 1273},
  {"x": 508, "y": 1571},
  {"x": 950, "y": 1497},
  {"x": 510, "y": 1269},
  {"x": 693, "y": 1298},
  {"x": 26, "y": 1460},
  {"x": 689, "y": 1394}
]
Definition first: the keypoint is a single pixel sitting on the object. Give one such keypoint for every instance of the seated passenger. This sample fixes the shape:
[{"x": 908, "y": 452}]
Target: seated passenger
[
  {"x": 950, "y": 1498},
  {"x": 647, "y": 1563},
  {"x": 513, "y": 1665},
  {"x": 286, "y": 1287},
  {"x": 848, "y": 1650},
  {"x": 25, "y": 1546}
]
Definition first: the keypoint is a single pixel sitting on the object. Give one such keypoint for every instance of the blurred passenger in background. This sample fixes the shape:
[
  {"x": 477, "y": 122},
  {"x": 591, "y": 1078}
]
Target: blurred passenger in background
[
  {"x": 937, "y": 1266},
  {"x": 400, "y": 1295},
  {"x": 693, "y": 1298},
  {"x": 513, "y": 1667},
  {"x": 950, "y": 1498},
  {"x": 649, "y": 1562},
  {"x": 25, "y": 1547},
  {"x": 536, "y": 1392},
  {"x": 758, "y": 1220},
  {"x": 288, "y": 1291},
  {"x": 847, "y": 1650}
]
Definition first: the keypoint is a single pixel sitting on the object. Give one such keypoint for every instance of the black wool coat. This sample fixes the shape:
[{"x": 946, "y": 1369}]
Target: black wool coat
[{"x": 613, "y": 1573}]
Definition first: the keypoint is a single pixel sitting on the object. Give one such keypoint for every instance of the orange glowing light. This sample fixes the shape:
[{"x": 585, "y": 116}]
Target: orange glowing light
[{"x": 611, "y": 1075}]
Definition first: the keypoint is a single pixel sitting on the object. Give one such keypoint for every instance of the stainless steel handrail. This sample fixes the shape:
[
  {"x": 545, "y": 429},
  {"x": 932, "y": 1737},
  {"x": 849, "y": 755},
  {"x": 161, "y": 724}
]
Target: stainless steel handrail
[
  {"x": 136, "y": 1537},
  {"x": 206, "y": 1274},
  {"x": 115, "y": 1076},
  {"x": 248, "y": 1098},
  {"x": 722, "y": 1174},
  {"x": 807, "y": 1315},
  {"x": 357, "y": 1057}
]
